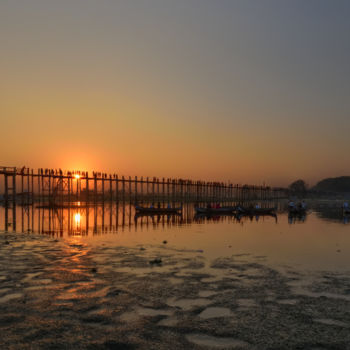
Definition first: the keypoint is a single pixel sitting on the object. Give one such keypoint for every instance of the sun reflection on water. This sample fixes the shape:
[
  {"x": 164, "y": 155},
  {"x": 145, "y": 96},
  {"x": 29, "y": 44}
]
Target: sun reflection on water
[{"x": 77, "y": 218}]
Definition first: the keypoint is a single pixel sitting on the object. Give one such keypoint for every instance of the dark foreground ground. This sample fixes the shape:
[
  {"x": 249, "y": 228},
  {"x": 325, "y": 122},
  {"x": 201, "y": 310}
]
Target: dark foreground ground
[{"x": 61, "y": 295}]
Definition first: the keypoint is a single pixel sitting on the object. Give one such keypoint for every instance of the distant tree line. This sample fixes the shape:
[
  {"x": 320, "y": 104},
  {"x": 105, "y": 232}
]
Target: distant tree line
[
  {"x": 329, "y": 185},
  {"x": 334, "y": 184}
]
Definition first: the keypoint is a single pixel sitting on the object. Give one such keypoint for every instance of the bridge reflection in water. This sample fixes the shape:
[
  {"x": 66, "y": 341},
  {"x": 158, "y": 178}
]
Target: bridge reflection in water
[{"x": 83, "y": 219}]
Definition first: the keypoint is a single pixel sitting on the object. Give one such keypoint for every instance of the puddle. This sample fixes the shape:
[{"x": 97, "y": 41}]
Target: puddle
[
  {"x": 330, "y": 322},
  {"x": 213, "y": 312},
  {"x": 68, "y": 295},
  {"x": 9, "y": 297},
  {"x": 98, "y": 293},
  {"x": 206, "y": 293},
  {"x": 211, "y": 279},
  {"x": 35, "y": 288},
  {"x": 153, "y": 312},
  {"x": 98, "y": 311},
  {"x": 174, "y": 280},
  {"x": 187, "y": 304},
  {"x": 299, "y": 287},
  {"x": 216, "y": 342},
  {"x": 287, "y": 301},
  {"x": 44, "y": 281},
  {"x": 168, "y": 322},
  {"x": 129, "y": 316},
  {"x": 4, "y": 290},
  {"x": 30, "y": 276},
  {"x": 246, "y": 303},
  {"x": 142, "y": 311}
]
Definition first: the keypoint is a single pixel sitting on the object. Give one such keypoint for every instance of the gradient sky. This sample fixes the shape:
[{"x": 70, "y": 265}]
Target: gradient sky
[{"x": 246, "y": 91}]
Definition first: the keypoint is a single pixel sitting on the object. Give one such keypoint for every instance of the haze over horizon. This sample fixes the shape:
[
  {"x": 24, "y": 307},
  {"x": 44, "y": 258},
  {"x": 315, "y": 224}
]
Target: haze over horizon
[{"x": 247, "y": 91}]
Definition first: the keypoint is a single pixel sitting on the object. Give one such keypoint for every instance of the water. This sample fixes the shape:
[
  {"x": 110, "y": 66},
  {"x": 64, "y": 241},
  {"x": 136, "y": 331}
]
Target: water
[
  {"x": 318, "y": 241},
  {"x": 82, "y": 278}
]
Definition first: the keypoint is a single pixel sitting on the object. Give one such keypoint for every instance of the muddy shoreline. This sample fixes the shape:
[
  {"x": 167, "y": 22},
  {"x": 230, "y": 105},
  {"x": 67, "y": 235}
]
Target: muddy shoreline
[{"x": 57, "y": 294}]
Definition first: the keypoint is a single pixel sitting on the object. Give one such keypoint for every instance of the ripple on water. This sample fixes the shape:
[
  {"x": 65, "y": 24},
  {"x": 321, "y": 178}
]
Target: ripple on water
[
  {"x": 216, "y": 342},
  {"x": 214, "y": 312}
]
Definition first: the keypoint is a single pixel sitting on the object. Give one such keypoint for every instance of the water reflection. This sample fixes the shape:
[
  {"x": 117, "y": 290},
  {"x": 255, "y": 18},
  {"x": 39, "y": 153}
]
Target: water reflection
[
  {"x": 297, "y": 218},
  {"x": 79, "y": 219}
]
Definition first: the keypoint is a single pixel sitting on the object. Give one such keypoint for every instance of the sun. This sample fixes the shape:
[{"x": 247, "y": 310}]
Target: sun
[{"x": 77, "y": 176}]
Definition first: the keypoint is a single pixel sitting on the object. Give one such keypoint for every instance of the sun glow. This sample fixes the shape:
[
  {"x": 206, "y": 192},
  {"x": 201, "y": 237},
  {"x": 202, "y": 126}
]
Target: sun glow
[
  {"x": 77, "y": 218},
  {"x": 77, "y": 176}
]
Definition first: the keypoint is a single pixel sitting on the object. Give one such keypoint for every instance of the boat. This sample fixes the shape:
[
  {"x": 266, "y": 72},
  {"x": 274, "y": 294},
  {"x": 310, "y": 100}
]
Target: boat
[
  {"x": 256, "y": 211},
  {"x": 215, "y": 211},
  {"x": 157, "y": 211}
]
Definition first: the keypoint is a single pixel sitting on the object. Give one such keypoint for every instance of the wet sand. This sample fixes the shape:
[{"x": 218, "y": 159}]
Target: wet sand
[{"x": 59, "y": 294}]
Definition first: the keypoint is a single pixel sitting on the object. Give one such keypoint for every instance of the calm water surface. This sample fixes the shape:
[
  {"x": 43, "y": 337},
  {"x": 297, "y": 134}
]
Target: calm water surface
[{"x": 319, "y": 241}]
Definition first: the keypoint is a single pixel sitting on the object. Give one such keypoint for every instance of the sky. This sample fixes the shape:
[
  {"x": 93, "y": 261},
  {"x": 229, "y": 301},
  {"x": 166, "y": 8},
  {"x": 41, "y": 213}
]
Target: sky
[{"x": 229, "y": 90}]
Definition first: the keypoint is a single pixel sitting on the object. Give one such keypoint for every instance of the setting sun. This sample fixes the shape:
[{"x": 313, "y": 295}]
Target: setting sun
[{"x": 77, "y": 176}]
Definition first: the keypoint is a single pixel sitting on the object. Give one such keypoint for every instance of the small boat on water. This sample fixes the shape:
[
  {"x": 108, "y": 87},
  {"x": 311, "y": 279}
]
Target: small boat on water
[
  {"x": 157, "y": 211},
  {"x": 215, "y": 211},
  {"x": 256, "y": 211}
]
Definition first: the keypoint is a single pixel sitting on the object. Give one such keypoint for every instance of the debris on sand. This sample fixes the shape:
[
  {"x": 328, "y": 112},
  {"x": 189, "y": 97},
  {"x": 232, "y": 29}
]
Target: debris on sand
[{"x": 156, "y": 261}]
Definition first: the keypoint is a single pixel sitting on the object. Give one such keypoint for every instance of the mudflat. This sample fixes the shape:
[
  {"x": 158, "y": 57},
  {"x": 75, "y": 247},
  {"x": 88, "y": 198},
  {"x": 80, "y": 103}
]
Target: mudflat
[{"x": 59, "y": 294}]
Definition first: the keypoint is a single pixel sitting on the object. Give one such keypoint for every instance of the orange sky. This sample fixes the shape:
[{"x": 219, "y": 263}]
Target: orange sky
[{"x": 246, "y": 93}]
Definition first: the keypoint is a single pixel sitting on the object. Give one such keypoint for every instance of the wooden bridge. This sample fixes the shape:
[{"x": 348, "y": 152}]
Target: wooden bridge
[{"x": 55, "y": 187}]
